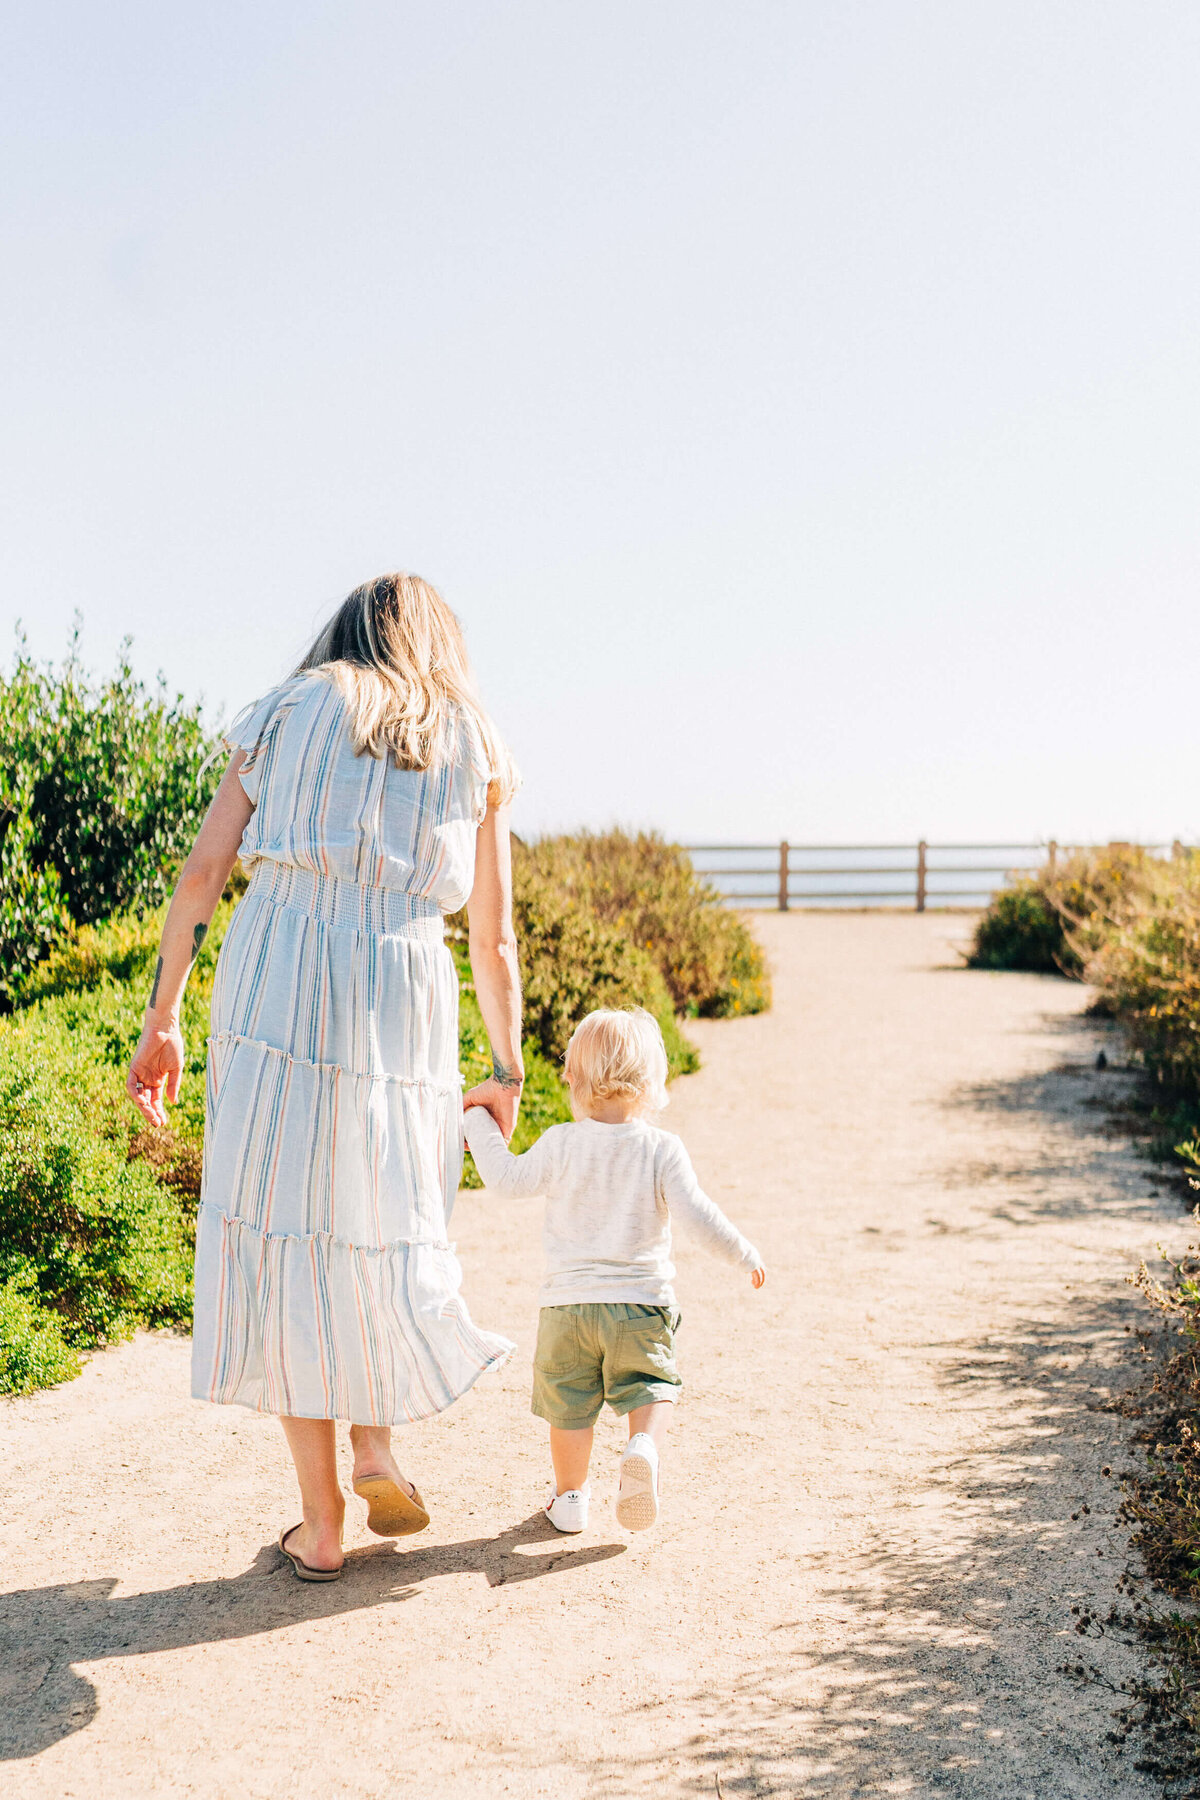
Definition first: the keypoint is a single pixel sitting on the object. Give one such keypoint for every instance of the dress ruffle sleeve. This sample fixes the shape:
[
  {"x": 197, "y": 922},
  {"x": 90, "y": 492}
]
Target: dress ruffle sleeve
[
  {"x": 476, "y": 764},
  {"x": 251, "y": 729}
]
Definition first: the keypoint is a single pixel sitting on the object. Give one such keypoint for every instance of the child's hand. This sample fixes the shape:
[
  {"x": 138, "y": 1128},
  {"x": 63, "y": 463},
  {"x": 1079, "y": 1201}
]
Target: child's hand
[
  {"x": 758, "y": 1276},
  {"x": 502, "y": 1102}
]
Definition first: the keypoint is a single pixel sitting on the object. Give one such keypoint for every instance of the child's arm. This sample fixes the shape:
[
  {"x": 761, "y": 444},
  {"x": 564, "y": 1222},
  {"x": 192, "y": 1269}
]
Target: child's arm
[
  {"x": 701, "y": 1216},
  {"x": 518, "y": 1177}
]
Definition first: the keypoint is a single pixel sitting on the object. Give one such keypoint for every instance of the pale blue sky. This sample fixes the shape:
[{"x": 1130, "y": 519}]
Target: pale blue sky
[{"x": 800, "y": 403}]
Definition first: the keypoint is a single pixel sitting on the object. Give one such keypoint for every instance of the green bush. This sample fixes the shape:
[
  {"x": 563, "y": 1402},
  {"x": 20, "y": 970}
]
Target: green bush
[
  {"x": 83, "y": 1006},
  {"x": 1127, "y": 922},
  {"x": 123, "y": 949},
  {"x": 34, "y": 1352},
  {"x": 1054, "y": 921},
  {"x": 101, "y": 796},
  {"x": 96, "y": 1209},
  {"x": 1020, "y": 930},
  {"x": 647, "y": 889},
  {"x": 32, "y": 910},
  {"x": 573, "y": 963},
  {"x": 90, "y": 1232}
]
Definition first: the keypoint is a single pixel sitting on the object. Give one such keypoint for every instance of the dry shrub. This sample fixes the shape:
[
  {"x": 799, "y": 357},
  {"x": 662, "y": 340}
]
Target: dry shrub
[
  {"x": 1130, "y": 925},
  {"x": 1051, "y": 922},
  {"x": 176, "y": 1161},
  {"x": 1139, "y": 946},
  {"x": 1161, "y": 1503},
  {"x": 571, "y": 963},
  {"x": 1128, "y": 922},
  {"x": 647, "y": 889},
  {"x": 1096, "y": 893}
]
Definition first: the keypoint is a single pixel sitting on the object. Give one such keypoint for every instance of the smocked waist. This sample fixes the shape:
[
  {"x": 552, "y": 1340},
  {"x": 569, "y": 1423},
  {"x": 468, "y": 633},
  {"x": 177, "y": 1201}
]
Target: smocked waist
[{"x": 349, "y": 905}]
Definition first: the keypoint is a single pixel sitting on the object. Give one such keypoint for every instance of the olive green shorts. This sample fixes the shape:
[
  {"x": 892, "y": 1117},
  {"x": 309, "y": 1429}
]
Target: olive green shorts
[{"x": 587, "y": 1354}]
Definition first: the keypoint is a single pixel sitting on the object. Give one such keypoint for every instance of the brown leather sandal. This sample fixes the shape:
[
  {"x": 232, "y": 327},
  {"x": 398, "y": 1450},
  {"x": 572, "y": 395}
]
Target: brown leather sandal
[
  {"x": 304, "y": 1571},
  {"x": 390, "y": 1511}
]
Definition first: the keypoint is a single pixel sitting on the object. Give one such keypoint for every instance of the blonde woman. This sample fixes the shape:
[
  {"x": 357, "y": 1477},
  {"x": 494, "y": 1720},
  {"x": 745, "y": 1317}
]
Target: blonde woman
[{"x": 367, "y": 796}]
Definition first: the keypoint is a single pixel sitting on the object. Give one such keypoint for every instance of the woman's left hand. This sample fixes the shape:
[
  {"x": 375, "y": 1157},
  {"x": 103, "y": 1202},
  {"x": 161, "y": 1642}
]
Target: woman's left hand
[{"x": 155, "y": 1072}]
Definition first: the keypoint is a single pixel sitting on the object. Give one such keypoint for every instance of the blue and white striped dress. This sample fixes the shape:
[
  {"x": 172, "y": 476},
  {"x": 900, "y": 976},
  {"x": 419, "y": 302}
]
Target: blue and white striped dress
[{"x": 325, "y": 1287}]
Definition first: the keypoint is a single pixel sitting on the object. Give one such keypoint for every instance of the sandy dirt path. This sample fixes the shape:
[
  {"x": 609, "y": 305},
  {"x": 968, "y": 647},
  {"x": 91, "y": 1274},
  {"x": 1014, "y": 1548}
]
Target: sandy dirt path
[{"x": 862, "y": 1579}]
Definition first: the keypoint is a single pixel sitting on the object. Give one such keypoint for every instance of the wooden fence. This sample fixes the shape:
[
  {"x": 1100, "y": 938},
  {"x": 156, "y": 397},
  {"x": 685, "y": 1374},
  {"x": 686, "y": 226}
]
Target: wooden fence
[{"x": 788, "y": 875}]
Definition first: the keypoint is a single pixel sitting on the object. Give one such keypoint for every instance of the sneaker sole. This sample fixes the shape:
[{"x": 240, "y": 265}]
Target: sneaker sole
[{"x": 637, "y": 1503}]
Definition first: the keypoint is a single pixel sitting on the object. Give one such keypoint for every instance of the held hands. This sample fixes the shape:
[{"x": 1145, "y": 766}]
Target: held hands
[
  {"x": 155, "y": 1072},
  {"x": 501, "y": 1099},
  {"x": 758, "y": 1276}
]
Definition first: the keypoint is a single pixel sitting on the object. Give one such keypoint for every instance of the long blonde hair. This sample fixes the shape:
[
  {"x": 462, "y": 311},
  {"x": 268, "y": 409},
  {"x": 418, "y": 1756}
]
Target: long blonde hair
[{"x": 396, "y": 653}]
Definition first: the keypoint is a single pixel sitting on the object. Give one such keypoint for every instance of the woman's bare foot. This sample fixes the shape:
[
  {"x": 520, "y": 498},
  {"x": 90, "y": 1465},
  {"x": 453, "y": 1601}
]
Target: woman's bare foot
[
  {"x": 313, "y": 1444},
  {"x": 372, "y": 1446},
  {"x": 318, "y": 1542}
]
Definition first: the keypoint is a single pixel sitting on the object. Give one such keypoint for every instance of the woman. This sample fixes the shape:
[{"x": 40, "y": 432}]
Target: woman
[{"x": 367, "y": 796}]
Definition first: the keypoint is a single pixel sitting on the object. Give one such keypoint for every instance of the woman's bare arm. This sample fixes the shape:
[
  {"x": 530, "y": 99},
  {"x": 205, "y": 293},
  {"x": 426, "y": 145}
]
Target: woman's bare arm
[
  {"x": 158, "y": 1060},
  {"x": 493, "y": 947}
]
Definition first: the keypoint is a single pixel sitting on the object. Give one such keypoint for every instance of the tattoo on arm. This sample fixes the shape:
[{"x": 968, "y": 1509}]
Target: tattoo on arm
[
  {"x": 508, "y": 1078},
  {"x": 199, "y": 933}
]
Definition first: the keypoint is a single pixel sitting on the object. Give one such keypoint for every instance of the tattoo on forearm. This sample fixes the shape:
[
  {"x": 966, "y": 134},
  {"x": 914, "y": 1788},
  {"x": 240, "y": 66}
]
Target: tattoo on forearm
[
  {"x": 508, "y": 1078},
  {"x": 199, "y": 933}
]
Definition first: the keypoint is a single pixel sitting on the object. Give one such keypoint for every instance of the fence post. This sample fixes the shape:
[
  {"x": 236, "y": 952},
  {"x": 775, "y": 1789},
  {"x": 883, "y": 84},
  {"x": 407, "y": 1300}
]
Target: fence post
[
  {"x": 1052, "y": 856},
  {"x": 921, "y": 849},
  {"x": 783, "y": 875}
]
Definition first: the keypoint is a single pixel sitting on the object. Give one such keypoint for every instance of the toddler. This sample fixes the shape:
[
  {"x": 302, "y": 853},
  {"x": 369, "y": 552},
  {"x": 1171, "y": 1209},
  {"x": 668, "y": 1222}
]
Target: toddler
[{"x": 606, "y": 1329}]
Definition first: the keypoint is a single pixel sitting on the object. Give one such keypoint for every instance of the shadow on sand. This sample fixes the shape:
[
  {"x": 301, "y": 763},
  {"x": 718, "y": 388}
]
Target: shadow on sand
[
  {"x": 43, "y": 1631},
  {"x": 929, "y": 1663}
]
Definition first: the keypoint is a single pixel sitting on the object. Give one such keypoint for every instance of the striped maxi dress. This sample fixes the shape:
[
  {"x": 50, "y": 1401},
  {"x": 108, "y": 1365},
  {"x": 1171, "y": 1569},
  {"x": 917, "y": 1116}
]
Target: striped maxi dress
[{"x": 325, "y": 1285}]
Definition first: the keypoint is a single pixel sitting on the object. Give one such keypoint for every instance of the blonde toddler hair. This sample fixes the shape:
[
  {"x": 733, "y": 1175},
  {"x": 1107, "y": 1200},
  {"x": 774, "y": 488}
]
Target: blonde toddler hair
[{"x": 618, "y": 1056}]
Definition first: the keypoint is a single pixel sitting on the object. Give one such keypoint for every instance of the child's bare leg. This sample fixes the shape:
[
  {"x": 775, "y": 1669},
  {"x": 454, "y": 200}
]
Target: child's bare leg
[
  {"x": 652, "y": 1419},
  {"x": 570, "y": 1452}
]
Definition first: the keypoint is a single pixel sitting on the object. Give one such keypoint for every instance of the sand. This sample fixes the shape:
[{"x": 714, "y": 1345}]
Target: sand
[{"x": 862, "y": 1578}]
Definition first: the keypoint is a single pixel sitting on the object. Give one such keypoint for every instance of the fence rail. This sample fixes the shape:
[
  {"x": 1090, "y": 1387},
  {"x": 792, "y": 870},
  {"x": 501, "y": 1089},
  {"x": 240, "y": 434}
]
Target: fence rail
[{"x": 799, "y": 875}]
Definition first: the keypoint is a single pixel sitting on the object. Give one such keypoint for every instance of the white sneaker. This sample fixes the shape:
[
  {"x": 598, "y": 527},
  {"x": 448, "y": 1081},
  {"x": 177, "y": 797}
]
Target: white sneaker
[
  {"x": 569, "y": 1511},
  {"x": 637, "y": 1500}
]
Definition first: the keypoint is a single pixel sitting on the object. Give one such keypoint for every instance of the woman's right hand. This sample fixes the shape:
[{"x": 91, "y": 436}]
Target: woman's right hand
[{"x": 501, "y": 1099}]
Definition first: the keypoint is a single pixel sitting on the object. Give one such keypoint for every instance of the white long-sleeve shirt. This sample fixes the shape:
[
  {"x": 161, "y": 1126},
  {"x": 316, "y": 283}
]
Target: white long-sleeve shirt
[{"x": 610, "y": 1193}]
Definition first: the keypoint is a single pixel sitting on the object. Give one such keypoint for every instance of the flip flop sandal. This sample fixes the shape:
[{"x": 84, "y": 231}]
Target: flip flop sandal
[
  {"x": 390, "y": 1511},
  {"x": 302, "y": 1570}
]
